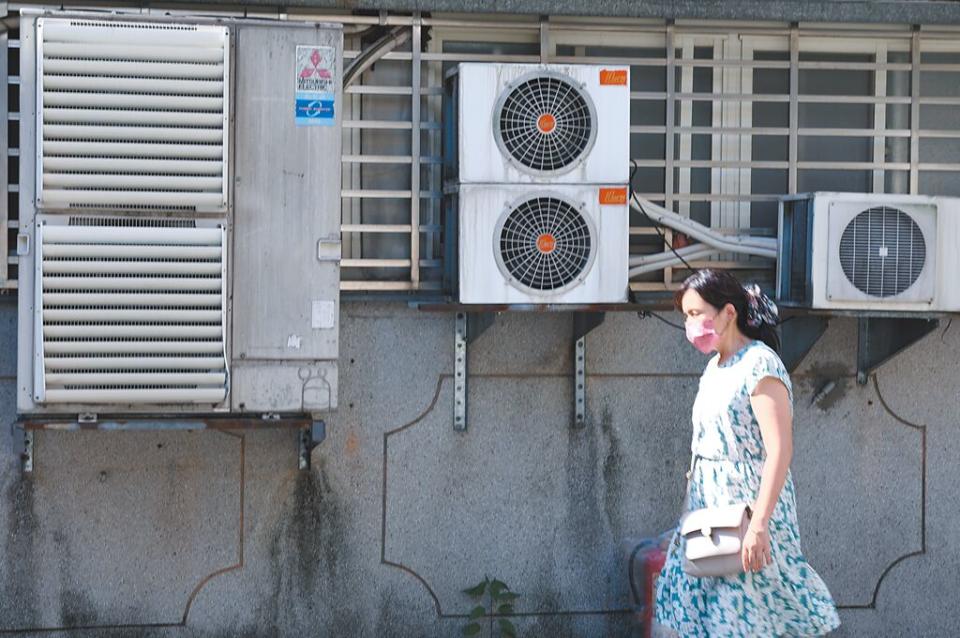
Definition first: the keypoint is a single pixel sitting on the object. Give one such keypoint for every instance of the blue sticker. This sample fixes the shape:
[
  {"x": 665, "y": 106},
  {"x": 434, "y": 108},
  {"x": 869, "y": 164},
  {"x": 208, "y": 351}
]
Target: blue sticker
[{"x": 314, "y": 110}]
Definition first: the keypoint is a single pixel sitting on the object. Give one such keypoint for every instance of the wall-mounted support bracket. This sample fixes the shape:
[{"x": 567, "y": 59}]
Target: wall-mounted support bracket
[
  {"x": 583, "y": 323},
  {"x": 468, "y": 327},
  {"x": 798, "y": 334},
  {"x": 880, "y": 338},
  {"x": 26, "y": 452},
  {"x": 310, "y": 437}
]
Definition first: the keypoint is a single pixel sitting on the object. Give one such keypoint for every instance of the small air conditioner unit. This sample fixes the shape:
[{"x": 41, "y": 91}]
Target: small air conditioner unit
[
  {"x": 854, "y": 251},
  {"x": 165, "y": 279},
  {"x": 561, "y": 244},
  {"x": 529, "y": 123}
]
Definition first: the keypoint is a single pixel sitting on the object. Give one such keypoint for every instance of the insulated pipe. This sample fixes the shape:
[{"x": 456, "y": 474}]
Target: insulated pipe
[
  {"x": 367, "y": 58},
  {"x": 759, "y": 246},
  {"x": 685, "y": 252},
  {"x": 672, "y": 261}
]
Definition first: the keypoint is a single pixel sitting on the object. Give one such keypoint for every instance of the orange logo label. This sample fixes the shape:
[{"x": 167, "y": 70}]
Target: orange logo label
[
  {"x": 546, "y": 123},
  {"x": 613, "y": 195},
  {"x": 546, "y": 243},
  {"x": 613, "y": 77}
]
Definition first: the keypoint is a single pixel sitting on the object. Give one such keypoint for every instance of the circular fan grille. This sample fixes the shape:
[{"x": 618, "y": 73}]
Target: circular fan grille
[
  {"x": 544, "y": 244},
  {"x": 882, "y": 251},
  {"x": 545, "y": 123}
]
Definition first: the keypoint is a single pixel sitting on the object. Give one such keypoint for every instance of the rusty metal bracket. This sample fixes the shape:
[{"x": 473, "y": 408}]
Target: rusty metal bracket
[
  {"x": 310, "y": 437},
  {"x": 880, "y": 338},
  {"x": 26, "y": 453}
]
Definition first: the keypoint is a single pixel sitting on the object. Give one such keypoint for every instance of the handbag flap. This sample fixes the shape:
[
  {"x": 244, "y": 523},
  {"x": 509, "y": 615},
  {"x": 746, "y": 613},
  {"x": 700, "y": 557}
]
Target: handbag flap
[
  {"x": 719, "y": 543},
  {"x": 710, "y": 518}
]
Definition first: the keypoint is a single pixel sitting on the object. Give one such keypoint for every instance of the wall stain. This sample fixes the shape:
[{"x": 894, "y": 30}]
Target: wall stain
[
  {"x": 19, "y": 585},
  {"x": 612, "y": 475},
  {"x": 314, "y": 581},
  {"x": 820, "y": 374}
]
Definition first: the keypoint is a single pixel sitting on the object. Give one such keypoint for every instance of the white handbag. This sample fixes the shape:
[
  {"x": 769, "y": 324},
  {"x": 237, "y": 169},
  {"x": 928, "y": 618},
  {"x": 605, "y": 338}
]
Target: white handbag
[{"x": 713, "y": 537}]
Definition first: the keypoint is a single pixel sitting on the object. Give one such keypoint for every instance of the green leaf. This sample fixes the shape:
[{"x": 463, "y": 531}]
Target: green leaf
[
  {"x": 507, "y": 597},
  {"x": 496, "y": 587},
  {"x": 507, "y": 628},
  {"x": 477, "y": 612},
  {"x": 472, "y": 629},
  {"x": 505, "y": 609},
  {"x": 477, "y": 590}
]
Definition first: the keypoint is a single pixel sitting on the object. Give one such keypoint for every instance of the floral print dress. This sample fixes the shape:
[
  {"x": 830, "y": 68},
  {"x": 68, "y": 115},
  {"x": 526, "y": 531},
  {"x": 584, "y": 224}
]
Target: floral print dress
[{"x": 786, "y": 597}]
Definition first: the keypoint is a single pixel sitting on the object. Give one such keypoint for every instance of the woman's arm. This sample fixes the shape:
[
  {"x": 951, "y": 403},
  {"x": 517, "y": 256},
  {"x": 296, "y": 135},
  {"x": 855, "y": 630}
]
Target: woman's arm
[{"x": 771, "y": 405}]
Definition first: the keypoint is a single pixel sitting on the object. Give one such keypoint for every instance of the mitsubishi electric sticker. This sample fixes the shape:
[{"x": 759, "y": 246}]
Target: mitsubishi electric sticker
[{"x": 315, "y": 89}]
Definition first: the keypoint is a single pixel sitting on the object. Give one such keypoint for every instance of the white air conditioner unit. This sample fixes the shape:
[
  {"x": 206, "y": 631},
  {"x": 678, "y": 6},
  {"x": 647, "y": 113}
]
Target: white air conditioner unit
[
  {"x": 562, "y": 244},
  {"x": 853, "y": 251},
  {"x": 526, "y": 123},
  {"x": 165, "y": 278}
]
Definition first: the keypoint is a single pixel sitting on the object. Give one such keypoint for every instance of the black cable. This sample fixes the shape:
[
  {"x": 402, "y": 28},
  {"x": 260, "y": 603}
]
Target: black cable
[
  {"x": 643, "y": 314},
  {"x": 656, "y": 225}
]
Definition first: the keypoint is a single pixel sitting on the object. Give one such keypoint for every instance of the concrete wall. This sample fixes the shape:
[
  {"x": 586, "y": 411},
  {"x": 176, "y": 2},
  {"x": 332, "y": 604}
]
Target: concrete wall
[{"x": 218, "y": 534}]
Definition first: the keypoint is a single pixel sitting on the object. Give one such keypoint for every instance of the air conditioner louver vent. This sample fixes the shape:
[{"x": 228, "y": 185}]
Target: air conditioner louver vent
[
  {"x": 131, "y": 314},
  {"x": 545, "y": 244},
  {"x": 545, "y": 123},
  {"x": 882, "y": 251},
  {"x": 132, "y": 116}
]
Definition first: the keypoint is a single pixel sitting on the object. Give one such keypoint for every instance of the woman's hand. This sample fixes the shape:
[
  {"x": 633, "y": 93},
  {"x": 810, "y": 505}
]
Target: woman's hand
[{"x": 755, "y": 552}]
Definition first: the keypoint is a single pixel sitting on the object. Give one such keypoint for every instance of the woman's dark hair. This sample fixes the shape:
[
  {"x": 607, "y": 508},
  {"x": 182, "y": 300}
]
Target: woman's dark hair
[{"x": 719, "y": 288}]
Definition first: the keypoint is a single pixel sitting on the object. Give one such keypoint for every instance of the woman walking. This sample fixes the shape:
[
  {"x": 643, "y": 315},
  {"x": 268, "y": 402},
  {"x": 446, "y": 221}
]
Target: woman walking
[{"x": 741, "y": 447}]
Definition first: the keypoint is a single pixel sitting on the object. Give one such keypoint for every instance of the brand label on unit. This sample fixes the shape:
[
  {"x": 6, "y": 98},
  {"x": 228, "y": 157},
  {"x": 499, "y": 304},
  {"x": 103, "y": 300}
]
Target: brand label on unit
[
  {"x": 613, "y": 77},
  {"x": 314, "y": 96},
  {"x": 613, "y": 196}
]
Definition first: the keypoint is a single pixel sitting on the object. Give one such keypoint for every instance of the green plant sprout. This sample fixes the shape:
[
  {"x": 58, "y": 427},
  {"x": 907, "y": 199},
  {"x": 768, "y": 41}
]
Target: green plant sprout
[{"x": 500, "y": 600}]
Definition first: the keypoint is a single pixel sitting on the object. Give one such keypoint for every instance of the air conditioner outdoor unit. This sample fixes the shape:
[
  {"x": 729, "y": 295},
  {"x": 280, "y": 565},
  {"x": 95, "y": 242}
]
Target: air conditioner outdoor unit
[
  {"x": 561, "y": 244},
  {"x": 173, "y": 265},
  {"x": 529, "y": 123},
  {"x": 854, "y": 251}
]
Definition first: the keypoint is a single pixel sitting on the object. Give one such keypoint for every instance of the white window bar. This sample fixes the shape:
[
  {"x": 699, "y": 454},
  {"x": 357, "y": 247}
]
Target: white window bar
[{"x": 915, "y": 131}]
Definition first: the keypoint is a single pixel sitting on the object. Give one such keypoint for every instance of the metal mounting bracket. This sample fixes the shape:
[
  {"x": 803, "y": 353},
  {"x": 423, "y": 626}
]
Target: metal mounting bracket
[
  {"x": 798, "y": 334},
  {"x": 310, "y": 437},
  {"x": 468, "y": 327},
  {"x": 460, "y": 373},
  {"x": 583, "y": 323},
  {"x": 880, "y": 338},
  {"x": 26, "y": 453}
]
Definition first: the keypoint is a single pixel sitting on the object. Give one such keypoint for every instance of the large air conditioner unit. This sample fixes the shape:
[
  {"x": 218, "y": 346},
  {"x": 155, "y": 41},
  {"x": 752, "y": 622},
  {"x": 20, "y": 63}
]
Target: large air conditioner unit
[
  {"x": 535, "y": 123},
  {"x": 170, "y": 264},
  {"x": 853, "y": 251},
  {"x": 561, "y": 244}
]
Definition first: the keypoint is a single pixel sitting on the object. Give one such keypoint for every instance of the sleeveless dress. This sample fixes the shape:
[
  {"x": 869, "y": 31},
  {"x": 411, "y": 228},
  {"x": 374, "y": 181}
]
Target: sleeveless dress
[{"x": 786, "y": 597}]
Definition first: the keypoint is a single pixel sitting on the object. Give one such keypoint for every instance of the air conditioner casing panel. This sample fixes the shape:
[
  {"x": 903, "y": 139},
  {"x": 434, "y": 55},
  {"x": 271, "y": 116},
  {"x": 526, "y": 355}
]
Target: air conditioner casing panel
[
  {"x": 936, "y": 219},
  {"x": 483, "y": 279},
  {"x": 483, "y": 158}
]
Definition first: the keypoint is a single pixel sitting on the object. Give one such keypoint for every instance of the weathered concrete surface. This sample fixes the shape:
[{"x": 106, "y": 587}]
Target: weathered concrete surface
[
  {"x": 904, "y": 11},
  {"x": 120, "y": 528}
]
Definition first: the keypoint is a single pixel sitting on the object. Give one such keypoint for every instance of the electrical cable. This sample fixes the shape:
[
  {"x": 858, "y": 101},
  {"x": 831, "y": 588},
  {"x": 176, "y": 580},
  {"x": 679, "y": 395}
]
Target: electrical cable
[{"x": 656, "y": 225}]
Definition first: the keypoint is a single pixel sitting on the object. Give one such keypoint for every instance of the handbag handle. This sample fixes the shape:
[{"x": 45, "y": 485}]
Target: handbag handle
[{"x": 686, "y": 500}]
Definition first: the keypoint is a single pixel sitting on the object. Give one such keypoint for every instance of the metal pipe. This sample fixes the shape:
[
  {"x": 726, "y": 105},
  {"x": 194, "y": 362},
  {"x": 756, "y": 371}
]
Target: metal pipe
[
  {"x": 759, "y": 246},
  {"x": 669, "y": 262},
  {"x": 373, "y": 53},
  {"x": 686, "y": 251}
]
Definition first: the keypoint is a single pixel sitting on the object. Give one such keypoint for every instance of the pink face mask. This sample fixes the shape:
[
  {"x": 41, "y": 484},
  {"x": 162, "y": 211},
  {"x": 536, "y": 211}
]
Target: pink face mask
[{"x": 702, "y": 335}]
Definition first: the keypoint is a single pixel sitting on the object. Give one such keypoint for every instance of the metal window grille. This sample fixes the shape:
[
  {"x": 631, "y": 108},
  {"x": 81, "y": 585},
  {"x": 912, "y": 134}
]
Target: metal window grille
[{"x": 724, "y": 119}]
